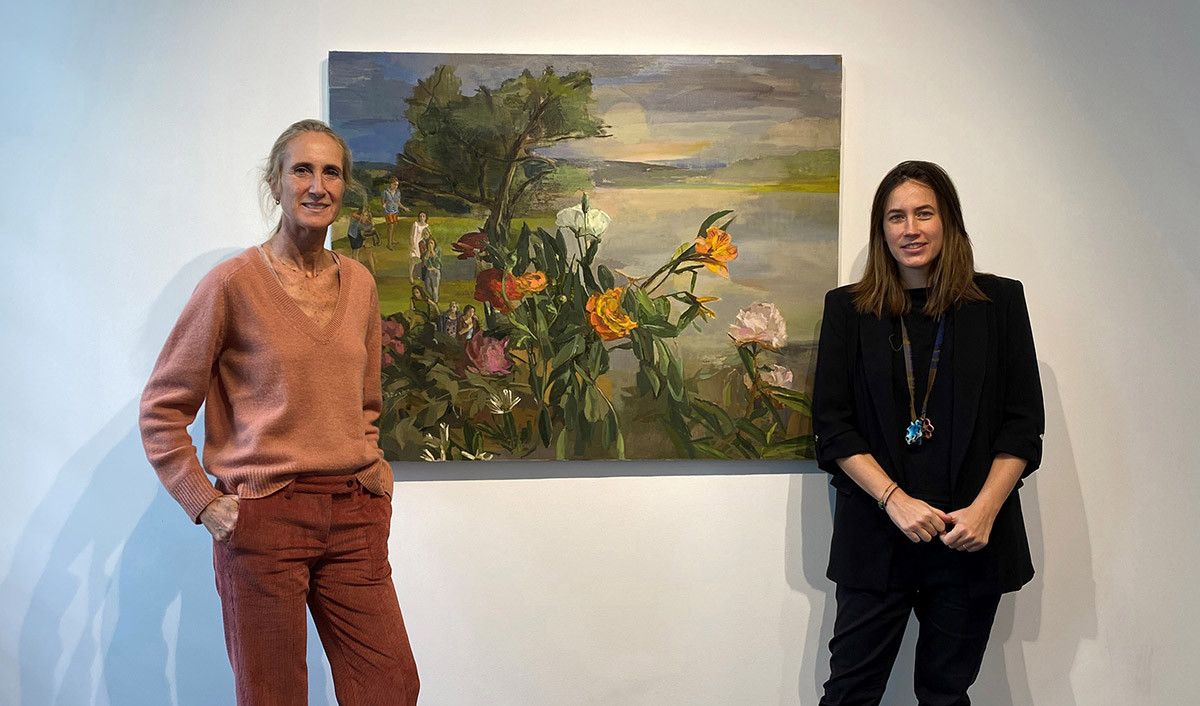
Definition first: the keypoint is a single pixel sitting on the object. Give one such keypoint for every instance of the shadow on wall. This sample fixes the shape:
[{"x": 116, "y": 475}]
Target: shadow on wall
[
  {"x": 1042, "y": 625},
  {"x": 124, "y": 611},
  {"x": 1039, "y": 633}
]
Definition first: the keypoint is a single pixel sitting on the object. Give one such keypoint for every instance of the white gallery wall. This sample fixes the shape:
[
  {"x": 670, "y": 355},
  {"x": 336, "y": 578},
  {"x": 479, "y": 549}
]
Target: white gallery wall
[{"x": 132, "y": 131}]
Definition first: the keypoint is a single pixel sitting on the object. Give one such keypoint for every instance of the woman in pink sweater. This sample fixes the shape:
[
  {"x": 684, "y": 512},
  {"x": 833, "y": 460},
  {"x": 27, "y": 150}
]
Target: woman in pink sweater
[{"x": 282, "y": 344}]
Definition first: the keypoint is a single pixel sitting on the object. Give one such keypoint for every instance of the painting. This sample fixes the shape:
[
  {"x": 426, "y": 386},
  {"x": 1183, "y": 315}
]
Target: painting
[{"x": 593, "y": 257}]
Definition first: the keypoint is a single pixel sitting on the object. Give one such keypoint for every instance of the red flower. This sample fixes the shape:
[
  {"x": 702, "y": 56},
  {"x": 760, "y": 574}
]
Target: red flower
[
  {"x": 470, "y": 245},
  {"x": 487, "y": 289}
]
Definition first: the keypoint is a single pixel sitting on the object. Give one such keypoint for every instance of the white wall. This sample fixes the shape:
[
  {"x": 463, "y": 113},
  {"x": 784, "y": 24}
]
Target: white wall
[{"x": 131, "y": 130}]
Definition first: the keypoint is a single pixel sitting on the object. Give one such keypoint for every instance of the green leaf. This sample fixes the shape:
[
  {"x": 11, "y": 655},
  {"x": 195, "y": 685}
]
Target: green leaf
[
  {"x": 593, "y": 405},
  {"x": 522, "y": 250},
  {"x": 544, "y": 426},
  {"x": 472, "y": 438},
  {"x": 590, "y": 254},
  {"x": 747, "y": 360},
  {"x": 566, "y": 353},
  {"x": 799, "y": 403},
  {"x": 747, "y": 427},
  {"x": 605, "y": 276},
  {"x": 663, "y": 353},
  {"x": 662, "y": 307},
  {"x": 711, "y": 220},
  {"x": 709, "y": 450},
  {"x": 661, "y": 330},
  {"x": 792, "y": 448},
  {"x": 675, "y": 378},
  {"x": 608, "y": 431},
  {"x": 590, "y": 280},
  {"x": 560, "y": 445},
  {"x": 620, "y": 444}
]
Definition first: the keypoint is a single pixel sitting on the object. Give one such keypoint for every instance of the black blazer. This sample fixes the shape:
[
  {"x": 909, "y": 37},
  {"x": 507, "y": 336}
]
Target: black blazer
[{"x": 998, "y": 408}]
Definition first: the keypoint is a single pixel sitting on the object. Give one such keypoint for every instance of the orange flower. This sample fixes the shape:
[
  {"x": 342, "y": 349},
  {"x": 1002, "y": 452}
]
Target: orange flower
[
  {"x": 606, "y": 316},
  {"x": 531, "y": 282},
  {"x": 717, "y": 248}
]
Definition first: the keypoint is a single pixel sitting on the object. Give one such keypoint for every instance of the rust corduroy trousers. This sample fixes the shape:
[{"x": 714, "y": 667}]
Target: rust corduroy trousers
[{"x": 320, "y": 542}]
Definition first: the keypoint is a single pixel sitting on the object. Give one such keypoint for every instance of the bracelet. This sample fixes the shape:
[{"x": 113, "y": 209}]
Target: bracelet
[{"x": 883, "y": 499}]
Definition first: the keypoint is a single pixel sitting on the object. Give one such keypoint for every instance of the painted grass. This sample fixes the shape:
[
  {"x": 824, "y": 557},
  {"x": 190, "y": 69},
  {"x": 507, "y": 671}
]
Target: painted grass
[{"x": 392, "y": 266}]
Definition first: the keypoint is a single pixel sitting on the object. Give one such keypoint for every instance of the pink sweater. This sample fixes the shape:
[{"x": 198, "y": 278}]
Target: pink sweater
[{"x": 284, "y": 397}]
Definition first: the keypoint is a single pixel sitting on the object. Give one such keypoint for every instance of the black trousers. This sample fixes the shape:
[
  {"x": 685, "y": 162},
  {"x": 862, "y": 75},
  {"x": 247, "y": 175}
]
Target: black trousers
[{"x": 954, "y": 628}]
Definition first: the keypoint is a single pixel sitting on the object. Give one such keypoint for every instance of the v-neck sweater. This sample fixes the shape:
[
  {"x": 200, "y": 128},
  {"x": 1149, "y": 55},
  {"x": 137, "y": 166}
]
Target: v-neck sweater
[{"x": 284, "y": 397}]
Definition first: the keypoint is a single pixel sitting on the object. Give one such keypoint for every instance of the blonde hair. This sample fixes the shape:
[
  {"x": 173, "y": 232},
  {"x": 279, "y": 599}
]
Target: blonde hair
[{"x": 273, "y": 171}]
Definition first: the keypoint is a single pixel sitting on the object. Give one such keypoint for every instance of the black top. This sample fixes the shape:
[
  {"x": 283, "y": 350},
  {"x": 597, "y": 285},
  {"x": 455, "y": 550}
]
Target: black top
[{"x": 926, "y": 467}]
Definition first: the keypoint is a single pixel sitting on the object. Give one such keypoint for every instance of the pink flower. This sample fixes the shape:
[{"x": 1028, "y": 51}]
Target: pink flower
[
  {"x": 387, "y": 358},
  {"x": 759, "y": 323},
  {"x": 776, "y": 375},
  {"x": 488, "y": 356},
  {"x": 392, "y": 331}
]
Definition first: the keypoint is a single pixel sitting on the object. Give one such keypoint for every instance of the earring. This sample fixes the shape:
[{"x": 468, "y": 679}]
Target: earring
[{"x": 276, "y": 201}]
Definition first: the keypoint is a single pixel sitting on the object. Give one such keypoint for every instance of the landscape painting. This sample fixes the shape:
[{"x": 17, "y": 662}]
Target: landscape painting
[{"x": 593, "y": 257}]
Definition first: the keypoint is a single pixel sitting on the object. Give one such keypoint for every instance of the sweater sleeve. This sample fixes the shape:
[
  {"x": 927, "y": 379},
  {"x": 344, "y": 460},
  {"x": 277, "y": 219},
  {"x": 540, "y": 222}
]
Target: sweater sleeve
[
  {"x": 372, "y": 389},
  {"x": 175, "y": 391}
]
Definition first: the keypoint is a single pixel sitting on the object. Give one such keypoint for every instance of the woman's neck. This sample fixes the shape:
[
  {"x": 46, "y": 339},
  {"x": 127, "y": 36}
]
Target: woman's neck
[{"x": 302, "y": 250}]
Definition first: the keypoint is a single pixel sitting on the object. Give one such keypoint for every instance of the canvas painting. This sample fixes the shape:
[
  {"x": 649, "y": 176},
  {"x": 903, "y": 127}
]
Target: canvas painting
[{"x": 593, "y": 257}]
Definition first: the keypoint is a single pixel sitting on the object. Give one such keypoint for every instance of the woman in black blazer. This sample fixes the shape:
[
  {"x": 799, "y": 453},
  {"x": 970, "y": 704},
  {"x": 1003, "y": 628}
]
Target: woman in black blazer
[{"x": 927, "y": 517}]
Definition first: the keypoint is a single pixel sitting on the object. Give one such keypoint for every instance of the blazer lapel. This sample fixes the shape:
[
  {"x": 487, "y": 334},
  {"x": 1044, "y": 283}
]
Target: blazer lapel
[
  {"x": 971, "y": 345},
  {"x": 875, "y": 338}
]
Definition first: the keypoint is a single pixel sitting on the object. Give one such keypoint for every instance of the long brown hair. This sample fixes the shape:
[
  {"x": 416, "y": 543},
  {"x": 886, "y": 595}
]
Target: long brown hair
[{"x": 952, "y": 275}]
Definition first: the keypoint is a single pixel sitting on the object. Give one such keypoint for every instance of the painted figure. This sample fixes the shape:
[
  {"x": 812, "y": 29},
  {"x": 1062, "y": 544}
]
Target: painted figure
[
  {"x": 392, "y": 207},
  {"x": 421, "y": 310},
  {"x": 926, "y": 522},
  {"x": 448, "y": 321},
  {"x": 431, "y": 266},
  {"x": 362, "y": 227},
  {"x": 468, "y": 324},
  {"x": 283, "y": 341},
  {"x": 420, "y": 229}
]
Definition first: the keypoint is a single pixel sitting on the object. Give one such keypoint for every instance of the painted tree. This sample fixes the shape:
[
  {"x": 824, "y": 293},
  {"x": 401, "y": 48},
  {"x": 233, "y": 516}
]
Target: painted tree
[{"x": 481, "y": 148}]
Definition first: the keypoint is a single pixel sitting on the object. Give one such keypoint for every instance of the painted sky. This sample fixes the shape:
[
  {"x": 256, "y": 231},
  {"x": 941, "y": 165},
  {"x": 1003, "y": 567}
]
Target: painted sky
[{"x": 682, "y": 110}]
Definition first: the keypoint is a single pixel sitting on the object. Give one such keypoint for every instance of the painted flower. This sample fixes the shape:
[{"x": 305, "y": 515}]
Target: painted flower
[
  {"x": 705, "y": 312},
  {"x": 592, "y": 224},
  {"x": 607, "y": 317},
  {"x": 487, "y": 289},
  {"x": 716, "y": 248},
  {"x": 759, "y": 323},
  {"x": 470, "y": 245},
  {"x": 531, "y": 282},
  {"x": 776, "y": 375},
  {"x": 391, "y": 332},
  {"x": 502, "y": 403},
  {"x": 488, "y": 356}
]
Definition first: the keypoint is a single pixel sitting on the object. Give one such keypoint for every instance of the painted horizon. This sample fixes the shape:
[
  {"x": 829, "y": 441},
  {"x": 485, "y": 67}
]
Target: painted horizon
[{"x": 570, "y": 203}]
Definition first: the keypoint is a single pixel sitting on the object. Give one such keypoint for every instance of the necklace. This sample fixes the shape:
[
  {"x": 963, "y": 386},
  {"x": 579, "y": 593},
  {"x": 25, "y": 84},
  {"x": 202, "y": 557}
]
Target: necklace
[{"x": 920, "y": 428}]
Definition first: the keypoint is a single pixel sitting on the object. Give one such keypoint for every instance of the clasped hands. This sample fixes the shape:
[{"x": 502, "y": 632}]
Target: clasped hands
[{"x": 965, "y": 530}]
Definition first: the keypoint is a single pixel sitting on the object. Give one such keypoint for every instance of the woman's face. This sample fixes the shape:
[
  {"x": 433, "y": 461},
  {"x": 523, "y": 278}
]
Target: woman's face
[
  {"x": 422, "y": 217},
  {"x": 311, "y": 182},
  {"x": 912, "y": 227}
]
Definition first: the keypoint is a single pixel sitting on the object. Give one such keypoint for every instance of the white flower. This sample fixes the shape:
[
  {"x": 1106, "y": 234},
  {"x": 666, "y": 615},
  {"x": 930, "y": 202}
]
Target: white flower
[
  {"x": 483, "y": 456},
  {"x": 776, "y": 375},
  {"x": 502, "y": 403},
  {"x": 759, "y": 323},
  {"x": 592, "y": 224}
]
